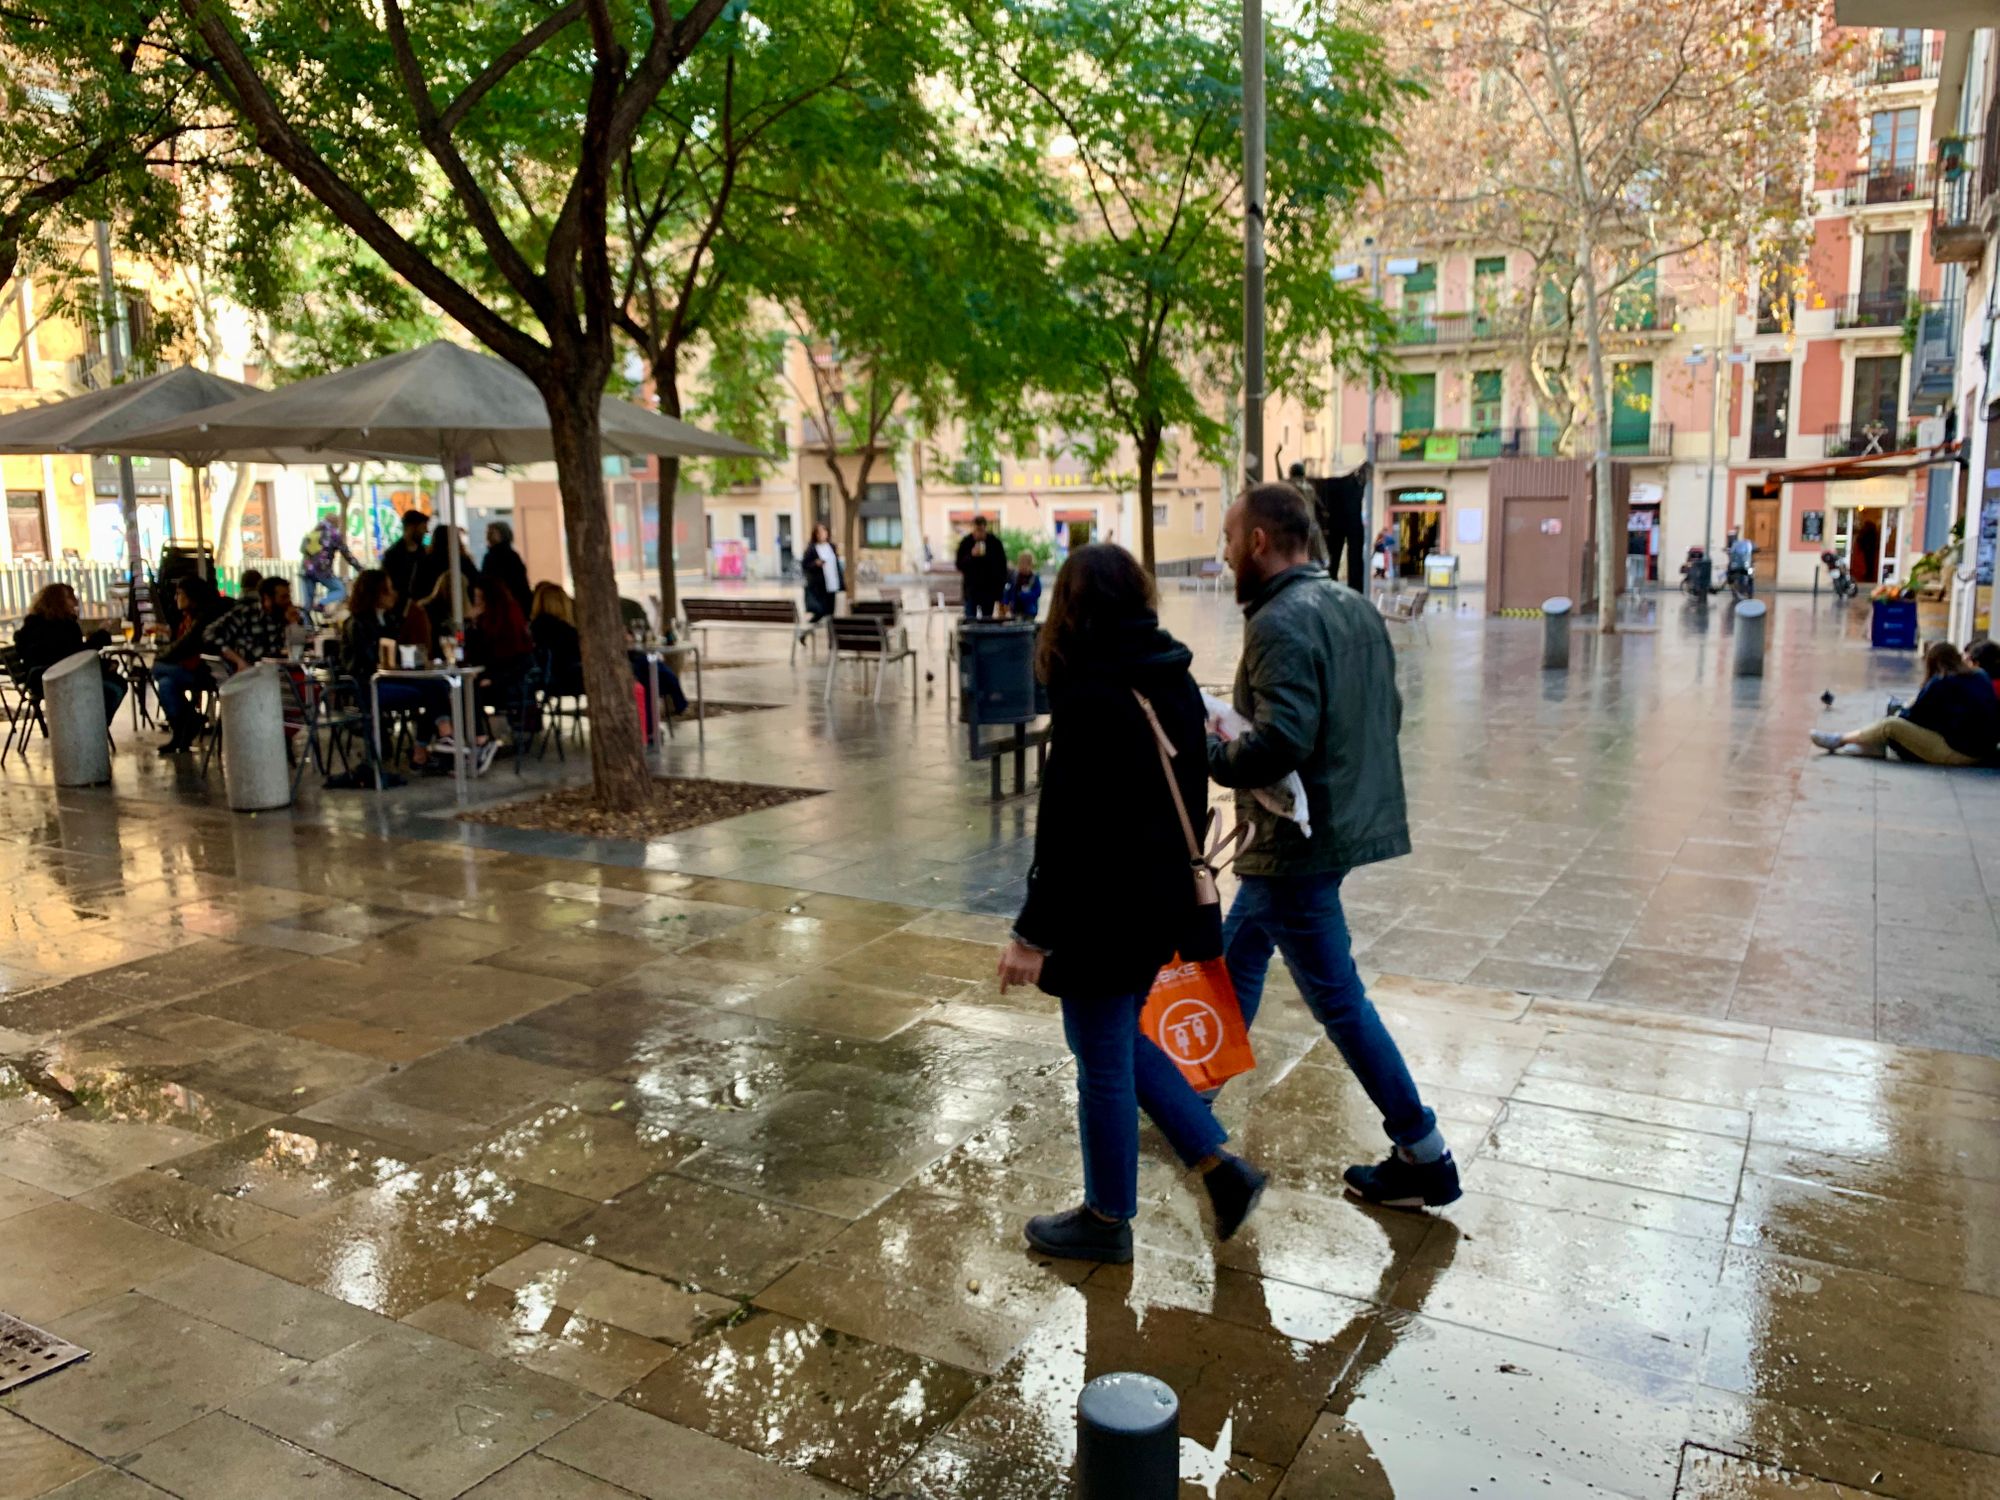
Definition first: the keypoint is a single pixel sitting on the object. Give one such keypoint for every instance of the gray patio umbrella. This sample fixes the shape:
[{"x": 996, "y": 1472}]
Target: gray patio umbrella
[
  {"x": 105, "y": 421},
  {"x": 439, "y": 404}
]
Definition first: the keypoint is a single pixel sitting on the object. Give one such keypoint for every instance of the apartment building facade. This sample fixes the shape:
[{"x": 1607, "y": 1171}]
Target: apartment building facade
[{"x": 1801, "y": 422}]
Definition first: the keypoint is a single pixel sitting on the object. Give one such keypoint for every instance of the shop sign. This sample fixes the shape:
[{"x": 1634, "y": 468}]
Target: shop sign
[
  {"x": 1552, "y": 526},
  {"x": 1812, "y": 526},
  {"x": 1441, "y": 448}
]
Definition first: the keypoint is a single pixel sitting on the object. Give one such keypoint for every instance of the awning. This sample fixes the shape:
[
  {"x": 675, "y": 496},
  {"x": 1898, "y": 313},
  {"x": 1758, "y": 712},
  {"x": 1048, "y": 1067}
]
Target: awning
[{"x": 1842, "y": 470}]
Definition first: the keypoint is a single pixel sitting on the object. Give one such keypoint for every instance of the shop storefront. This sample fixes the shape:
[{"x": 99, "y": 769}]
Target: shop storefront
[{"x": 1418, "y": 515}]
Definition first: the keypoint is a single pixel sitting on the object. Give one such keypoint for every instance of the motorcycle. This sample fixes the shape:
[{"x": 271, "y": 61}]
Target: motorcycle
[
  {"x": 1844, "y": 586},
  {"x": 1697, "y": 573},
  {"x": 1742, "y": 579}
]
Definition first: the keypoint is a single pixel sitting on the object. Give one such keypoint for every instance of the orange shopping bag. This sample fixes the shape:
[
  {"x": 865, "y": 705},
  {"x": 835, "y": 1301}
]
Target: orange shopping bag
[{"x": 1191, "y": 1012}]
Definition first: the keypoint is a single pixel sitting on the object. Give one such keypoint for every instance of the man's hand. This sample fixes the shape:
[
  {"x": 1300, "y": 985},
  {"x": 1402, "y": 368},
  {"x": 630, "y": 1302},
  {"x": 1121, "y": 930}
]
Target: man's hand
[
  {"x": 1019, "y": 964},
  {"x": 235, "y": 659}
]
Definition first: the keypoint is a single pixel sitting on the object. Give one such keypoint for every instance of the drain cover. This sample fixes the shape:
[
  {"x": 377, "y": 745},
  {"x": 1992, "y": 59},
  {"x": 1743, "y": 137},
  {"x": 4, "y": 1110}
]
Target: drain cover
[{"x": 28, "y": 1353}]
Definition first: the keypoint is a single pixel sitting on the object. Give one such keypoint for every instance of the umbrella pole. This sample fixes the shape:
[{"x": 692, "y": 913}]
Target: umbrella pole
[
  {"x": 465, "y": 693},
  {"x": 200, "y": 507}
]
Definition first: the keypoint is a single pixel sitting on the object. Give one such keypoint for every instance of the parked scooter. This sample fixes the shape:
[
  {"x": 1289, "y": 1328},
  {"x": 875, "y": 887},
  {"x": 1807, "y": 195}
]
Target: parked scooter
[
  {"x": 1697, "y": 574},
  {"x": 1844, "y": 586},
  {"x": 1742, "y": 579}
]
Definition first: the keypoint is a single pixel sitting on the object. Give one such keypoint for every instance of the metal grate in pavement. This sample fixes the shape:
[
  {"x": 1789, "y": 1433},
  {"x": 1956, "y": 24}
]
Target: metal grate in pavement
[{"x": 28, "y": 1353}]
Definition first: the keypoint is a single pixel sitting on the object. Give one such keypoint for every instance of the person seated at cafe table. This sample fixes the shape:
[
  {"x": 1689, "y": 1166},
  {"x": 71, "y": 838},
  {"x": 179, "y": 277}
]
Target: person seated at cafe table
[
  {"x": 552, "y": 620},
  {"x": 177, "y": 666},
  {"x": 373, "y": 621},
  {"x": 251, "y": 633},
  {"x": 52, "y": 633}
]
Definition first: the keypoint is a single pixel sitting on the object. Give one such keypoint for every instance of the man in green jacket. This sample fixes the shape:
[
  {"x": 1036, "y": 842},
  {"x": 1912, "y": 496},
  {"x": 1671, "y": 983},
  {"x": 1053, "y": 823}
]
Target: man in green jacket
[{"x": 1317, "y": 681}]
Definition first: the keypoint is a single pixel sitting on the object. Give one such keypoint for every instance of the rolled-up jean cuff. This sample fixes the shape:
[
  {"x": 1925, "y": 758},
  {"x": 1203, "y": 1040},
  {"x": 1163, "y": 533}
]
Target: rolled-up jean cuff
[{"x": 1427, "y": 1148}]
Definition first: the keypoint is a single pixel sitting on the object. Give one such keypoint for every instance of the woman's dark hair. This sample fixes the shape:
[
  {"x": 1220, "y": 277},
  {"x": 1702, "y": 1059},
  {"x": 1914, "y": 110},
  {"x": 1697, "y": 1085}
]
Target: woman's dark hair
[
  {"x": 1101, "y": 585},
  {"x": 371, "y": 586},
  {"x": 1942, "y": 659},
  {"x": 1985, "y": 655},
  {"x": 55, "y": 601}
]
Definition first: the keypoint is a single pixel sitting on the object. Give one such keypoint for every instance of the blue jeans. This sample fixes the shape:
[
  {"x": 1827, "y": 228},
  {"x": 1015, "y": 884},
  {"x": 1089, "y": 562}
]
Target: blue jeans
[
  {"x": 332, "y": 588},
  {"x": 1116, "y": 1067},
  {"x": 1300, "y": 917},
  {"x": 171, "y": 685}
]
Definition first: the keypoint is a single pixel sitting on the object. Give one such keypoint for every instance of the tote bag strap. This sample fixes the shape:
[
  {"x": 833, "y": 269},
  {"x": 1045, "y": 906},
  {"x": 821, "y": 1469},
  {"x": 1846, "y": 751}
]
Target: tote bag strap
[{"x": 1167, "y": 752}]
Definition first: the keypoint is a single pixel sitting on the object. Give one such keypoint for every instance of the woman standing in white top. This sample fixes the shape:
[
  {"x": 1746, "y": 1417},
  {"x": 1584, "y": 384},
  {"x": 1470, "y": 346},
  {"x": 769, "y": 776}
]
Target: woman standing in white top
[{"x": 822, "y": 566}]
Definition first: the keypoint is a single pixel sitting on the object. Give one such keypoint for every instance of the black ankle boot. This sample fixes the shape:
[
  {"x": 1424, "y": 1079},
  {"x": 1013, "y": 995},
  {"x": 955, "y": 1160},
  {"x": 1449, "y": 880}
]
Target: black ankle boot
[{"x": 1234, "y": 1186}]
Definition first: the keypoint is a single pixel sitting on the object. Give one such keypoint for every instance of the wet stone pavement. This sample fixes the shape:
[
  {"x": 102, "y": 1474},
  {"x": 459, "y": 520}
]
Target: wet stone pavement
[{"x": 370, "y": 1158}]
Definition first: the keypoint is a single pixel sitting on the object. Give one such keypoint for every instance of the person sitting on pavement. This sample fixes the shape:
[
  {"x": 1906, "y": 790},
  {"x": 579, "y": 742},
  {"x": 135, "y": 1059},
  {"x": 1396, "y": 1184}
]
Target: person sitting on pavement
[
  {"x": 178, "y": 669},
  {"x": 251, "y": 633},
  {"x": 1022, "y": 598},
  {"x": 1985, "y": 655},
  {"x": 503, "y": 565},
  {"x": 371, "y": 620},
  {"x": 51, "y": 634},
  {"x": 982, "y": 563},
  {"x": 1954, "y": 720},
  {"x": 1109, "y": 898}
]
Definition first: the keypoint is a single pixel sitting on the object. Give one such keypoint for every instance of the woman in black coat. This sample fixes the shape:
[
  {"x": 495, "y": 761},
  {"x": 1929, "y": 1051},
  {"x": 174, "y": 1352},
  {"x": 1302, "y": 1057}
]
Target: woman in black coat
[
  {"x": 51, "y": 634},
  {"x": 1111, "y": 894}
]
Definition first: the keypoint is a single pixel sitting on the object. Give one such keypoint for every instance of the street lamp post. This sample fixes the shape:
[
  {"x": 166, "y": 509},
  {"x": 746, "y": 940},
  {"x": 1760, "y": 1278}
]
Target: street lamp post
[{"x": 1253, "y": 241}]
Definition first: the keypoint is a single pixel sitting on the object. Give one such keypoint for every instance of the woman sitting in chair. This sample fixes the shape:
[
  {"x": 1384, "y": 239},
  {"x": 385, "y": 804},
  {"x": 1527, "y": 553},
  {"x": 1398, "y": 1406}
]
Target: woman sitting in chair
[
  {"x": 371, "y": 620},
  {"x": 553, "y": 623},
  {"x": 51, "y": 634}
]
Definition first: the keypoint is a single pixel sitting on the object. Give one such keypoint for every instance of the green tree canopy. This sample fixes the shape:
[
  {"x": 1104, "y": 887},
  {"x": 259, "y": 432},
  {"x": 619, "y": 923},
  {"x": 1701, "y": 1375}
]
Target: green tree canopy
[{"x": 1135, "y": 109}]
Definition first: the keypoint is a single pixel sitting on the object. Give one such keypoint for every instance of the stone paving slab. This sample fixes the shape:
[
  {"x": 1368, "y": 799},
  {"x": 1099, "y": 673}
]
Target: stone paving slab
[
  {"x": 745, "y": 1222},
  {"x": 377, "y": 1156}
]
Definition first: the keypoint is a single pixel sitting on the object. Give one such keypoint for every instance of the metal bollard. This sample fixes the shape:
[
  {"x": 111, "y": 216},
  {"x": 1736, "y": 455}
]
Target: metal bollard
[
  {"x": 1555, "y": 633},
  {"x": 1128, "y": 1439},
  {"x": 255, "y": 772},
  {"x": 1750, "y": 615},
  {"x": 73, "y": 704}
]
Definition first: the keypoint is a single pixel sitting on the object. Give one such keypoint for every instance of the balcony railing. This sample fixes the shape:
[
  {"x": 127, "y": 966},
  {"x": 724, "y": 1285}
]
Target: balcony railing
[
  {"x": 1644, "y": 312},
  {"x": 1961, "y": 179},
  {"x": 1864, "y": 439},
  {"x": 1447, "y": 328},
  {"x": 1911, "y": 62},
  {"x": 1876, "y": 185},
  {"x": 1442, "y": 445},
  {"x": 1875, "y": 310},
  {"x": 1767, "y": 442}
]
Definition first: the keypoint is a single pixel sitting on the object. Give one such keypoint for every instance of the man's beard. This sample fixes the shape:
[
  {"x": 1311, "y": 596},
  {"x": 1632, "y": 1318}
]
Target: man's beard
[{"x": 1247, "y": 584}]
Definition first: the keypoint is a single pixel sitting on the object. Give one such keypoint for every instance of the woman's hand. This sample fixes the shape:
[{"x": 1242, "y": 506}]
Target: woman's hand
[{"x": 1019, "y": 964}]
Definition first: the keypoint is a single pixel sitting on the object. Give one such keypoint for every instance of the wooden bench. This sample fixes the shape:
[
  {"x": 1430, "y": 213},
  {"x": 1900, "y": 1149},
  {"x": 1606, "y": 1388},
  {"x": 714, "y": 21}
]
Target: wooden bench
[
  {"x": 1405, "y": 607},
  {"x": 773, "y": 614},
  {"x": 869, "y": 638}
]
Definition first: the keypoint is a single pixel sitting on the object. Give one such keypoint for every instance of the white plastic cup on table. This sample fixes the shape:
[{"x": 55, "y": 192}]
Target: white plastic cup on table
[{"x": 413, "y": 657}]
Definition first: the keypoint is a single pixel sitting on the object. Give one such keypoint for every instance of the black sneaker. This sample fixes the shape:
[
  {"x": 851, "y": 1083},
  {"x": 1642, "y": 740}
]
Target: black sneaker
[
  {"x": 1396, "y": 1183},
  {"x": 1081, "y": 1235},
  {"x": 1234, "y": 1187}
]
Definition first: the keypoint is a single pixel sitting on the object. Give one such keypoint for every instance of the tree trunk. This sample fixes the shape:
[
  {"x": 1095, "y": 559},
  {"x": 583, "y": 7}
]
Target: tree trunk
[
  {"x": 1149, "y": 455},
  {"x": 1609, "y": 556},
  {"x": 229, "y": 530},
  {"x": 624, "y": 781}
]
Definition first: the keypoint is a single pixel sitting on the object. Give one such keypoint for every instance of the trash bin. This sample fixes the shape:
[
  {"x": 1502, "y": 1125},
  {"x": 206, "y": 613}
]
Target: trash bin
[
  {"x": 996, "y": 673},
  {"x": 1440, "y": 571}
]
